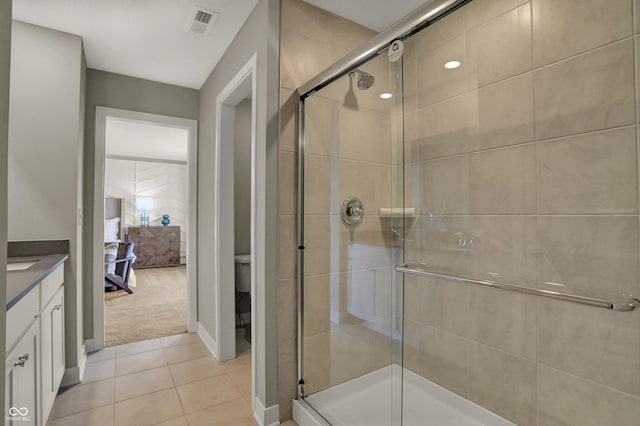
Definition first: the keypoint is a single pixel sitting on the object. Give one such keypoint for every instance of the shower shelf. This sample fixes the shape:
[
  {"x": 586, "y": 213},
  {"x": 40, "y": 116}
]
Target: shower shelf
[
  {"x": 622, "y": 306},
  {"x": 397, "y": 212}
]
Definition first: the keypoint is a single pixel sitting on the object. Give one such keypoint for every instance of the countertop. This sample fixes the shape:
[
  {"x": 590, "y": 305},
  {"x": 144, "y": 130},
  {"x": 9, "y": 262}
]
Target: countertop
[{"x": 19, "y": 283}]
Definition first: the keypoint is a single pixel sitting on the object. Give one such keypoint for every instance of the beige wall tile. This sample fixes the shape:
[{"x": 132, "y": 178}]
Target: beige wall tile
[
  {"x": 438, "y": 34},
  {"x": 444, "y": 243},
  {"x": 503, "y": 320},
  {"x": 504, "y": 114},
  {"x": 364, "y": 135},
  {"x": 444, "y": 186},
  {"x": 288, "y": 377},
  {"x": 512, "y": 382},
  {"x": 503, "y": 181},
  {"x": 589, "y": 252},
  {"x": 317, "y": 361},
  {"x": 479, "y": 12},
  {"x": 503, "y": 249},
  {"x": 593, "y": 173},
  {"x": 287, "y": 183},
  {"x": 287, "y": 312},
  {"x": 507, "y": 41},
  {"x": 357, "y": 350},
  {"x": 599, "y": 345},
  {"x": 347, "y": 35},
  {"x": 591, "y": 404},
  {"x": 301, "y": 58},
  {"x": 320, "y": 131},
  {"x": 435, "y": 82},
  {"x": 306, "y": 19},
  {"x": 443, "y": 359},
  {"x": 561, "y": 30},
  {"x": 589, "y": 92},
  {"x": 316, "y": 311},
  {"x": 288, "y": 111},
  {"x": 321, "y": 235},
  {"x": 148, "y": 409},
  {"x": 321, "y": 176},
  {"x": 443, "y": 128},
  {"x": 287, "y": 246}
]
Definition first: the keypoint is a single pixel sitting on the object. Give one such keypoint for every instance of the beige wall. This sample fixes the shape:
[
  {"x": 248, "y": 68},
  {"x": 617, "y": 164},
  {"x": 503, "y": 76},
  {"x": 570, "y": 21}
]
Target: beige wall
[
  {"x": 45, "y": 156},
  {"x": 258, "y": 35},
  {"x": 311, "y": 40},
  {"x": 134, "y": 94},
  {"x": 523, "y": 164},
  {"x": 242, "y": 178},
  {"x": 5, "y": 62}
]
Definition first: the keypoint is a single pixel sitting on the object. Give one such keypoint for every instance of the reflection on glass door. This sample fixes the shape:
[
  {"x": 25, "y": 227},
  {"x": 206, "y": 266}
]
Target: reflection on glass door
[{"x": 352, "y": 298}]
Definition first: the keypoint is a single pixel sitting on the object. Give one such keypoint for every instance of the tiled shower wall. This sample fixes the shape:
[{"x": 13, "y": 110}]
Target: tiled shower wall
[
  {"x": 523, "y": 163},
  {"x": 311, "y": 40}
]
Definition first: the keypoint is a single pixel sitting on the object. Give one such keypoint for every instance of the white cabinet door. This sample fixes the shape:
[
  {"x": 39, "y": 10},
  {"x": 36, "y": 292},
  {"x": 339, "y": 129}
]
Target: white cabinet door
[
  {"x": 52, "y": 335},
  {"x": 22, "y": 380}
]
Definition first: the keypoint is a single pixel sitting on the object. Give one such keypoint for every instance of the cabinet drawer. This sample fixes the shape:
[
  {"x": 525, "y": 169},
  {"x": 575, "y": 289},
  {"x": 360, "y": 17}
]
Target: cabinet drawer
[
  {"x": 21, "y": 316},
  {"x": 50, "y": 285}
]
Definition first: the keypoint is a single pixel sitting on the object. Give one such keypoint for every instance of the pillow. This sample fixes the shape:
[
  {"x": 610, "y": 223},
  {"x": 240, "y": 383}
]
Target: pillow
[{"x": 111, "y": 228}]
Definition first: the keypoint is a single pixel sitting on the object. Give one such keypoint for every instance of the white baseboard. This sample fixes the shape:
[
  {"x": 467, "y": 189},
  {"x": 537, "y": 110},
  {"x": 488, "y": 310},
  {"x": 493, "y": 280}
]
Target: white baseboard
[
  {"x": 266, "y": 416},
  {"x": 208, "y": 341},
  {"x": 73, "y": 375}
]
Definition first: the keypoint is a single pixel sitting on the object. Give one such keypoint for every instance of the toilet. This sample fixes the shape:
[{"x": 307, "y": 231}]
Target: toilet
[{"x": 243, "y": 273}]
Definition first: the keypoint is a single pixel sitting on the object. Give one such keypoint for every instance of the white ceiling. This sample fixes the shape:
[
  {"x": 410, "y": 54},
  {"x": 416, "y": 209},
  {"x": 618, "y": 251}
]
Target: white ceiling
[
  {"x": 126, "y": 138},
  {"x": 143, "y": 38},
  {"x": 374, "y": 14}
]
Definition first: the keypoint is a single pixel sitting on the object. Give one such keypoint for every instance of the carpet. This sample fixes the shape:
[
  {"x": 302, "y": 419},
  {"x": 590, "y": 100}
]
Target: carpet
[{"x": 157, "y": 307}]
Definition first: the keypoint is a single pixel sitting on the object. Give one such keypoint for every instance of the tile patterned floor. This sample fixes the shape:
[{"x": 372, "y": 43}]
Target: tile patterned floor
[{"x": 170, "y": 381}]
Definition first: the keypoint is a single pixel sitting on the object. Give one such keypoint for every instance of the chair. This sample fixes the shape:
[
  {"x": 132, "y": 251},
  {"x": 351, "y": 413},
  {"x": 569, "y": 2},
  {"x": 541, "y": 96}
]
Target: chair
[{"x": 119, "y": 279}]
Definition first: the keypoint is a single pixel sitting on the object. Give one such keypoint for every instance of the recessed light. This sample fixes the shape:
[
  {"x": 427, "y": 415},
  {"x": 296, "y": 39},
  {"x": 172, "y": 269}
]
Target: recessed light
[
  {"x": 386, "y": 95},
  {"x": 452, "y": 65}
]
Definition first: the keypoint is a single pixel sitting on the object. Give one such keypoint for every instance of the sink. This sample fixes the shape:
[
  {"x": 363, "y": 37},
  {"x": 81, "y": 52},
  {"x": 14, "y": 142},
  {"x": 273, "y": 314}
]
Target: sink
[{"x": 19, "y": 266}]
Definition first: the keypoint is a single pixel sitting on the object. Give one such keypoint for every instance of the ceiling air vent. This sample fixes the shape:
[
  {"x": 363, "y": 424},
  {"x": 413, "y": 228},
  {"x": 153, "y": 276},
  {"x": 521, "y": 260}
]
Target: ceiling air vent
[{"x": 201, "y": 20}]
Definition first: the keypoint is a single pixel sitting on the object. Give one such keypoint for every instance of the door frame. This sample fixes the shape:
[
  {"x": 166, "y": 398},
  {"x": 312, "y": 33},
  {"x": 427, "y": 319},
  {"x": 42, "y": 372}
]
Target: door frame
[
  {"x": 101, "y": 115},
  {"x": 242, "y": 85}
]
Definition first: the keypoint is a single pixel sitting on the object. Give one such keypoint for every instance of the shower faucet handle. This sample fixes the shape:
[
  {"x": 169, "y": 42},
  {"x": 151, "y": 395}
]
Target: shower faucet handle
[{"x": 352, "y": 210}]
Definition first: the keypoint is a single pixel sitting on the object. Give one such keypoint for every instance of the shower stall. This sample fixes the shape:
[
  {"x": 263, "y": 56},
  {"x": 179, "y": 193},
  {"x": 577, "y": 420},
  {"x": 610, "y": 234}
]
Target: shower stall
[{"x": 468, "y": 221}]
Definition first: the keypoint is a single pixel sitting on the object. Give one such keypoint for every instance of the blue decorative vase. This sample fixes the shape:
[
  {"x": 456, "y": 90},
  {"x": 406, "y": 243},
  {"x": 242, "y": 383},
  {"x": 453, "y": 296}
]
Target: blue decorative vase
[{"x": 165, "y": 220}]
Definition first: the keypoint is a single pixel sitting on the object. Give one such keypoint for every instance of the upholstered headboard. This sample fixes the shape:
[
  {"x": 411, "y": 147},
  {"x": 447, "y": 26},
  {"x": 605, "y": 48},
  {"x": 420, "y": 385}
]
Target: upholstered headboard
[{"x": 114, "y": 207}]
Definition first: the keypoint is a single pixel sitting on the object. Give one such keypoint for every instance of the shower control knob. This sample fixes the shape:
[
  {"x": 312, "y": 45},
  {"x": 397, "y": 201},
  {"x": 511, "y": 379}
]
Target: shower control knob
[{"x": 352, "y": 210}]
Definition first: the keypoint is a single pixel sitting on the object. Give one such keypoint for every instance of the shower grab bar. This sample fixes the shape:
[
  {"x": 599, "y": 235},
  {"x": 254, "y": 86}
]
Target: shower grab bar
[{"x": 629, "y": 305}]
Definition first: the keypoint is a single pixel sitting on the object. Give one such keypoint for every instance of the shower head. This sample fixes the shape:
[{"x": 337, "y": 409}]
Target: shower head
[{"x": 365, "y": 81}]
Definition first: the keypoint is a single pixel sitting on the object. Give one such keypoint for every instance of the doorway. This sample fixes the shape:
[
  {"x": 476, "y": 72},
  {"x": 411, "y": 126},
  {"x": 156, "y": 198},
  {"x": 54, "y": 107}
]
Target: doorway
[
  {"x": 139, "y": 221},
  {"x": 235, "y": 101}
]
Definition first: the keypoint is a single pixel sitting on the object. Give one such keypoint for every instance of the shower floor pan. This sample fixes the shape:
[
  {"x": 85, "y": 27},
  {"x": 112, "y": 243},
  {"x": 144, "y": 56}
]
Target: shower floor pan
[{"x": 366, "y": 401}]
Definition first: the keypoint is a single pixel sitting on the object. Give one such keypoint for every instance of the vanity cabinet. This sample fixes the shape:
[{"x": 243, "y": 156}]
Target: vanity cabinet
[
  {"x": 36, "y": 362},
  {"x": 22, "y": 380},
  {"x": 52, "y": 338}
]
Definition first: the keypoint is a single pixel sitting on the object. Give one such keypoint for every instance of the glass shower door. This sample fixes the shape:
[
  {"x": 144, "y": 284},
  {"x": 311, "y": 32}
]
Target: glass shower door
[{"x": 352, "y": 299}]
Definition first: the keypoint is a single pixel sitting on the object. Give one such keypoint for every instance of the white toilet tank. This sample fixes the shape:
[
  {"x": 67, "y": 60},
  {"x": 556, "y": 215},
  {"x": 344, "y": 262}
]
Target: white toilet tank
[{"x": 243, "y": 273}]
